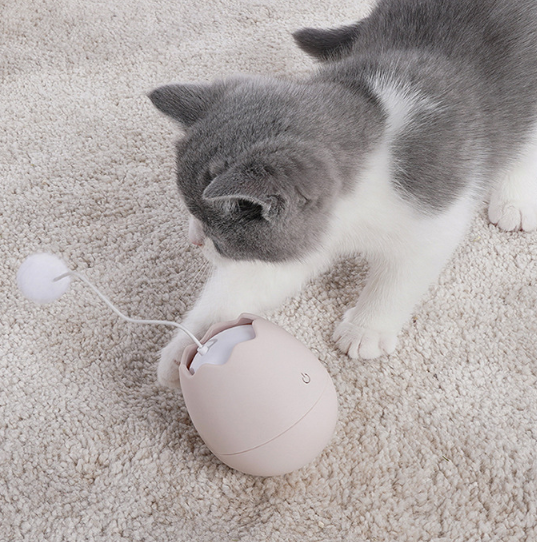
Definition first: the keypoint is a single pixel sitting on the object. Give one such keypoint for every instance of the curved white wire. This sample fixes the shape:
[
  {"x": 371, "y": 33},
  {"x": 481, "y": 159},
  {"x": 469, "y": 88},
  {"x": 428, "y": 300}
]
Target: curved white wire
[{"x": 119, "y": 313}]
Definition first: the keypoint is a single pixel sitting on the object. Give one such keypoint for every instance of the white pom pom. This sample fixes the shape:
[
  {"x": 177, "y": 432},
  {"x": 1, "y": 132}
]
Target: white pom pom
[{"x": 36, "y": 275}]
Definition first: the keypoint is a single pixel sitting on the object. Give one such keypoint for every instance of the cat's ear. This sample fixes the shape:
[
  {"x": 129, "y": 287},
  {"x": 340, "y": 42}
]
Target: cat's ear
[
  {"x": 330, "y": 44},
  {"x": 185, "y": 104},
  {"x": 239, "y": 190}
]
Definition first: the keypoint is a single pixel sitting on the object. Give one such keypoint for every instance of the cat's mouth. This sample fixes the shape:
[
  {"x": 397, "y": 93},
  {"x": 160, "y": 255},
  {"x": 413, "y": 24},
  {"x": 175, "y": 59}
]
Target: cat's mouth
[{"x": 211, "y": 253}]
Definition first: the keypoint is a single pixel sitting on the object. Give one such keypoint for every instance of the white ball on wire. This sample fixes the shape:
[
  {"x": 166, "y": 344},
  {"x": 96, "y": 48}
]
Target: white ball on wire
[{"x": 36, "y": 275}]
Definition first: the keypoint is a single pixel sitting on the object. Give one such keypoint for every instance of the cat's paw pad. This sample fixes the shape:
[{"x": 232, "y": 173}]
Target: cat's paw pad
[
  {"x": 170, "y": 357},
  {"x": 513, "y": 215},
  {"x": 363, "y": 342}
]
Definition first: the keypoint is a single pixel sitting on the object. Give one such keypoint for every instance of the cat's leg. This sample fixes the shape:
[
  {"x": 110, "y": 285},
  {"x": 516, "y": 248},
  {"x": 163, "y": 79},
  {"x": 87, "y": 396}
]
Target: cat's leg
[
  {"x": 398, "y": 279},
  {"x": 233, "y": 288},
  {"x": 394, "y": 286},
  {"x": 513, "y": 202}
]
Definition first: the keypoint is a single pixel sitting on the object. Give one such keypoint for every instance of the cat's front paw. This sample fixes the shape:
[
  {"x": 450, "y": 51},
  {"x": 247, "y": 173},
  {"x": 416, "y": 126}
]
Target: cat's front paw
[
  {"x": 513, "y": 215},
  {"x": 170, "y": 357},
  {"x": 360, "y": 341}
]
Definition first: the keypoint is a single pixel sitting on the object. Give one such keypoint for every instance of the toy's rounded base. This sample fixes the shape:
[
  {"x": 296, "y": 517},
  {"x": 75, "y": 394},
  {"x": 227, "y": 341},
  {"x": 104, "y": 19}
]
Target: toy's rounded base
[{"x": 294, "y": 448}]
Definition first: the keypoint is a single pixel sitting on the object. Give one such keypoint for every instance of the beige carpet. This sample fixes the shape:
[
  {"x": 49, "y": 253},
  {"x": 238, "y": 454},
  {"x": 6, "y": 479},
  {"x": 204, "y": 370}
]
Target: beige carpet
[{"x": 437, "y": 442}]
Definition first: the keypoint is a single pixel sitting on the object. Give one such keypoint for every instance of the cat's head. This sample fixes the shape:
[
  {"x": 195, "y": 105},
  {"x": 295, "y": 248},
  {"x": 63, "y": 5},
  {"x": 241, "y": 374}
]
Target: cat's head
[{"x": 250, "y": 167}]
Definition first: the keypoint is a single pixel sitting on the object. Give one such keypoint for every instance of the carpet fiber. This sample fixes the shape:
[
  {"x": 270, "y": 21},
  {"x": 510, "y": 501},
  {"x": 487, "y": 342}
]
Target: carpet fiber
[{"x": 436, "y": 442}]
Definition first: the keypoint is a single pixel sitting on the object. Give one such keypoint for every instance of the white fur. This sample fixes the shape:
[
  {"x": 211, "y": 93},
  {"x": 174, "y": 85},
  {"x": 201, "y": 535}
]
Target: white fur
[{"x": 401, "y": 102}]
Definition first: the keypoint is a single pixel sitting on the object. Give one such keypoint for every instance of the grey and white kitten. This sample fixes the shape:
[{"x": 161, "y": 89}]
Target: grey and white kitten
[{"x": 416, "y": 114}]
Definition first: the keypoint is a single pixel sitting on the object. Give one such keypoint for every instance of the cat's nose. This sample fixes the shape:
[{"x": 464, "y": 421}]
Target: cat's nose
[
  {"x": 196, "y": 239},
  {"x": 195, "y": 232}
]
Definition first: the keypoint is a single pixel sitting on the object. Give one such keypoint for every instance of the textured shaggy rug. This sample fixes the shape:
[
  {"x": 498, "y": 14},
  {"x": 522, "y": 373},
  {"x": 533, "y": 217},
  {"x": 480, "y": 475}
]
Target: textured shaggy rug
[{"x": 436, "y": 442}]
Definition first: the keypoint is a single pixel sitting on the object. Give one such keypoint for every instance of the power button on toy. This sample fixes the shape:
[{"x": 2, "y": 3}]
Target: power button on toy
[{"x": 306, "y": 378}]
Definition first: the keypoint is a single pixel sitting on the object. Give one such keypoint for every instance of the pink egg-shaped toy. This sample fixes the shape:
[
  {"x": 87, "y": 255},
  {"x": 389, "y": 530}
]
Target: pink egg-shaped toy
[{"x": 270, "y": 409}]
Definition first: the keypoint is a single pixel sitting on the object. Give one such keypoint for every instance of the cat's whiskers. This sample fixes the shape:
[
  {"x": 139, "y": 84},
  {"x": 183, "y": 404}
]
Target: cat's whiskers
[{"x": 201, "y": 273}]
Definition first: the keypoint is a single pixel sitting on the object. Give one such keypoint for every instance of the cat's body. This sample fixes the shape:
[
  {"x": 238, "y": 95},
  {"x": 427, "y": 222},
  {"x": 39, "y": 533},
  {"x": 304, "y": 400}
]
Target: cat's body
[{"x": 418, "y": 113}]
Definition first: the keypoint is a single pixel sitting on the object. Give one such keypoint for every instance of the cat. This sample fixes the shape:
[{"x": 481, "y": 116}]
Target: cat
[{"x": 414, "y": 117}]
